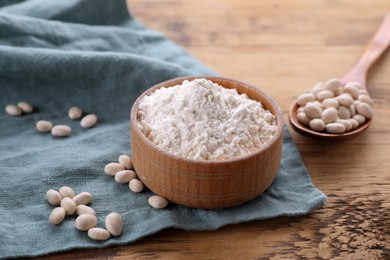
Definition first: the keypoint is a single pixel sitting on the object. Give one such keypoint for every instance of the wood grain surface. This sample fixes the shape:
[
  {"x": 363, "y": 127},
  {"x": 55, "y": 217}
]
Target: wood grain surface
[{"x": 284, "y": 47}]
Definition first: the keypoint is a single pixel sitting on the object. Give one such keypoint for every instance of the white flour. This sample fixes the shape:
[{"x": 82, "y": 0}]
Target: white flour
[{"x": 202, "y": 120}]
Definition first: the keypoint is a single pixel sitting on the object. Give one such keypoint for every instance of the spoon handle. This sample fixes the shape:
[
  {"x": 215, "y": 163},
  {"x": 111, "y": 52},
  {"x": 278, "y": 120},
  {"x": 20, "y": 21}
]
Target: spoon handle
[{"x": 378, "y": 44}]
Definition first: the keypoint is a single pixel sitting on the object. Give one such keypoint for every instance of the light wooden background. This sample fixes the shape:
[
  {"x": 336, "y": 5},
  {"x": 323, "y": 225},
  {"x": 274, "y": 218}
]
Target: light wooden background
[{"x": 284, "y": 47}]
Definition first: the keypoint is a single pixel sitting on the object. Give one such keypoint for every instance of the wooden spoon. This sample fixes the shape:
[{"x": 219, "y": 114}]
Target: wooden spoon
[{"x": 376, "y": 47}]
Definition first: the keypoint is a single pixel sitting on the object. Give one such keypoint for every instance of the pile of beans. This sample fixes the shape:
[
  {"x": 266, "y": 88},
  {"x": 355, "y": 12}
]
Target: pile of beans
[
  {"x": 124, "y": 173},
  {"x": 68, "y": 204},
  {"x": 45, "y": 126},
  {"x": 334, "y": 107}
]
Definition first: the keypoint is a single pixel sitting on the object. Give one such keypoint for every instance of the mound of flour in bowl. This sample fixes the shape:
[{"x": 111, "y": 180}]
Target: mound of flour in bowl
[{"x": 202, "y": 120}]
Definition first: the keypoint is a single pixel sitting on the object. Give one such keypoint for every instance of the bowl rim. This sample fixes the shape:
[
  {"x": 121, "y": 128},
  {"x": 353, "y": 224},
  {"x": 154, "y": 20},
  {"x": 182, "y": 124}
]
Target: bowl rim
[{"x": 170, "y": 83}]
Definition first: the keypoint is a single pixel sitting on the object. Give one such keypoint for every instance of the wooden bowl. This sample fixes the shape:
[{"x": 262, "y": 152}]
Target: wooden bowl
[{"x": 202, "y": 183}]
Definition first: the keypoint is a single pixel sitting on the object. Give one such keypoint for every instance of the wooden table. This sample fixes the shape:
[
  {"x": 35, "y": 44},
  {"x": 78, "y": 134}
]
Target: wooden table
[{"x": 284, "y": 47}]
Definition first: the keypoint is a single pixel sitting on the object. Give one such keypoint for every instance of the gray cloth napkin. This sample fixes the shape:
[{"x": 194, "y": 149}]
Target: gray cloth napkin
[{"x": 92, "y": 54}]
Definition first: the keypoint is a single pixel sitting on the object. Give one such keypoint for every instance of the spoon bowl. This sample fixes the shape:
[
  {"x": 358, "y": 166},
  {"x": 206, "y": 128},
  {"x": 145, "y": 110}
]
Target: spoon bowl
[
  {"x": 306, "y": 131},
  {"x": 375, "y": 48}
]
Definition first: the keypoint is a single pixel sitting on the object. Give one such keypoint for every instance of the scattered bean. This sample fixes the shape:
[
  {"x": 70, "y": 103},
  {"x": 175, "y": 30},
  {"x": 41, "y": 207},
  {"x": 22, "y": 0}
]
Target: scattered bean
[
  {"x": 74, "y": 113},
  {"x": 126, "y": 161},
  {"x": 85, "y": 222},
  {"x": 57, "y": 215},
  {"x": 53, "y": 197},
  {"x": 44, "y": 126},
  {"x": 124, "y": 176},
  {"x": 365, "y": 110},
  {"x": 329, "y": 115},
  {"x": 13, "y": 110},
  {"x": 66, "y": 192},
  {"x": 335, "y": 128},
  {"x": 83, "y": 198},
  {"x": 157, "y": 202},
  {"x": 99, "y": 234},
  {"x": 88, "y": 121},
  {"x": 69, "y": 205},
  {"x": 114, "y": 223},
  {"x": 136, "y": 186},
  {"x": 305, "y": 98},
  {"x": 113, "y": 168},
  {"x": 83, "y": 209},
  {"x": 312, "y": 110},
  {"x": 25, "y": 107},
  {"x": 317, "y": 124},
  {"x": 61, "y": 130}
]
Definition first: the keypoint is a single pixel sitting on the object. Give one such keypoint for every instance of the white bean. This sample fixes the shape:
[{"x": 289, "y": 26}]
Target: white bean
[
  {"x": 333, "y": 85},
  {"x": 53, "y": 197},
  {"x": 312, "y": 110},
  {"x": 330, "y": 102},
  {"x": 303, "y": 118},
  {"x": 66, "y": 192},
  {"x": 44, "y": 126},
  {"x": 126, "y": 161},
  {"x": 74, "y": 113},
  {"x": 343, "y": 112},
  {"x": 365, "y": 110},
  {"x": 61, "y": 130},
  {"x": 323, "y": 94},
  {"x": 99, "y": 234},
  {"x": 317, "y": 88},
  {"x": 136, "y": 185},
  {"x": 366, "y": 99},
  {"x": 57, "y": 216},
  {"x": 359, "y": 118},
  {"x": 69, "y": 205},
  {"x": 85, "y": 222},
  {"x": 355, "y": 84},
  {"x": 352, "y": 109},
  {"x": 124, "y": 176},
  {"x": 83, "y": 209},
  {"x": 13, "y": 110},
  {"x": 305, "y": 98},
  {"x": 25, "y": 107},
  {"x": 114, "y": 223},
  {"x": 346, "y": 123},
  {"x": 345, "y": 99},
  {"x": 157, "y": 202},
  {"x": 88, "y": 121},
  {"x": 329, "y": 115},
  {"x": 317, "y": 124},
  {"x": 113, "y": 168},
  {"x": 353, "y": 122},
  {"x": 83, "y": 198},
  {"x": 352, "y": 90},
  {"x": 335, "y": 128}
]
